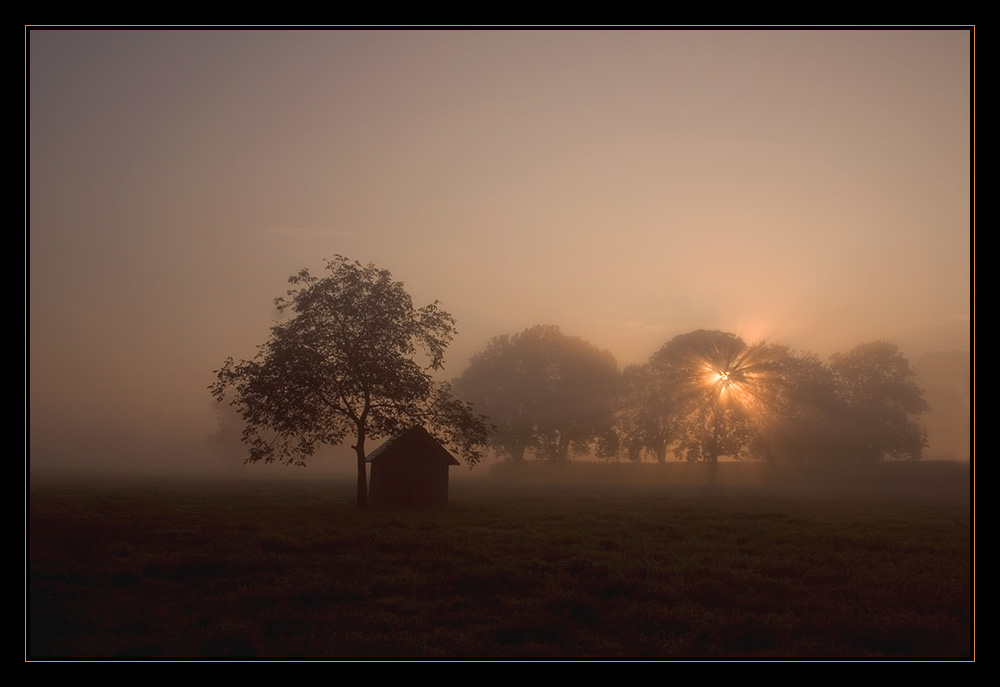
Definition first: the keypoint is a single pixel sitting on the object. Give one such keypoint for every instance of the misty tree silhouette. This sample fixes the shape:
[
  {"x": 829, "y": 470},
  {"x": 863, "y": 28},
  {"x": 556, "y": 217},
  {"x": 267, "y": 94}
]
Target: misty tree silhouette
[
  {"x": 878, "y": 387},
  {"x": 707, "y": 394},
  {"x": 708, "y": 382},
  {"x": 545, "y": 391}
]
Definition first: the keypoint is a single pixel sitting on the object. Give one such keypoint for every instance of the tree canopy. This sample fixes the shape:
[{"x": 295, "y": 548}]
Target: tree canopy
[
  {"x": 545, "y": 391},
  {"x": 707, "y": 394},
  {"x": 344, "y": 365},
  {"x": 647, "y": 421},
  {"x": 878, "y": 388},
  {"x": 796, "y": 410},
  {"x": 706, "y": 373}
]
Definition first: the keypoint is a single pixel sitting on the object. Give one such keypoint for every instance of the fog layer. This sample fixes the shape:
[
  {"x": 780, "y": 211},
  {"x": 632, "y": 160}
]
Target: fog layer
[{"x": 806, "y": 187}]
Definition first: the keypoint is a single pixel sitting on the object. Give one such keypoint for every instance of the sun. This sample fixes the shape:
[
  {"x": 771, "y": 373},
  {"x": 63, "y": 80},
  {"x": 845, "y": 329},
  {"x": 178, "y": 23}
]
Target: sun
[
  {"x": 726, "y": 381},
  {"x": 719, "y": 379},
  {"x": 743, "y": 377},
  {"x": 732, "y": 381}
]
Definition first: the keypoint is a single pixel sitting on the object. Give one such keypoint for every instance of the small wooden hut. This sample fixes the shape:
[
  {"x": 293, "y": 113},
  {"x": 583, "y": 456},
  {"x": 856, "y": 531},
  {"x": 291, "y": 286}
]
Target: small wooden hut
[{"x": 410, "y": 470}]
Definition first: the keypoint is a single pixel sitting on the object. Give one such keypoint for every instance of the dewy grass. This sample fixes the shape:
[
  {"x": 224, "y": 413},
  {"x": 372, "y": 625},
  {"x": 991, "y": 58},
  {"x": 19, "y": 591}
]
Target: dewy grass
[{"x": 292, "y": 569}]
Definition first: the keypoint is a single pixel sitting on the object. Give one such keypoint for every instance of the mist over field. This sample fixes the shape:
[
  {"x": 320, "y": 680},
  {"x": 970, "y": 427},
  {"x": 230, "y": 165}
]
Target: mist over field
[{"x": 807, "y": 188}]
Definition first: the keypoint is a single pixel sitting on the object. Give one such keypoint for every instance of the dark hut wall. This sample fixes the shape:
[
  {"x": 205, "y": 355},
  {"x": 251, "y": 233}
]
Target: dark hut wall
[{"x": 402, "y": 480}]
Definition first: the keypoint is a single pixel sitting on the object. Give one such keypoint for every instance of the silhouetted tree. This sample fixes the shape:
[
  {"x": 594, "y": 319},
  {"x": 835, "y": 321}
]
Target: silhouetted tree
[
  {"x": 544, "y": 391},
  {"x": 876, "y": 384},
  {"x": 702, "y": 376},
  {"x": 797, "y": 410},
  {"x": 648, "y": 420},
  {"x": 343, "y": 366},
  {"x": 706, "y": 394}
]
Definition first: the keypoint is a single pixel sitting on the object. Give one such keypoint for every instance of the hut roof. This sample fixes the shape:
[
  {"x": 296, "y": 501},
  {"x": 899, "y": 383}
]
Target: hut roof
[{"x": 415, "y": 442}]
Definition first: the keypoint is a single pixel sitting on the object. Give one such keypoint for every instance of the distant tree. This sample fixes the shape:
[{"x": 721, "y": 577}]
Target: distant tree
[
  {"x": 648, "y": 420},
  {"x": 344, "y": 366},
  {"x": 798, "y": 411},
  {"x": 707, "y": 394},
  {"x": 545, "y": 391},
  {"x": 699, "y": 380},
  {"x": 876, "y": 385}
]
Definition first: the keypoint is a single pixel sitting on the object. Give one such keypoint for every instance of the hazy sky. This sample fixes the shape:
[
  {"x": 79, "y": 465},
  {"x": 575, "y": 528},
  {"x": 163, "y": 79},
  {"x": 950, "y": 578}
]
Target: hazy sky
[{"x": 808, "y": 187}]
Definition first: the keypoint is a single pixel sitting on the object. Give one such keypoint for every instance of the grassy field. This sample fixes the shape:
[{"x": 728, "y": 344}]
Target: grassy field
[{"x": 543, "y": 565}]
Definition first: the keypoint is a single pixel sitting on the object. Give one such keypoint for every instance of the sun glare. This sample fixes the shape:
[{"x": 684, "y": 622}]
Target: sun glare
[
  {"x": 743, "y": 379},
  {"x": 725, "y": 381},
  {"x": 737, "y": 381},
  {"x": 718, "y": 379}
]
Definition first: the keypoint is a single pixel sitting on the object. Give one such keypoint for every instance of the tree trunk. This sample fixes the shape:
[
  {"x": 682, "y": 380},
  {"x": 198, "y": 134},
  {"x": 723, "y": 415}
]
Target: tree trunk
[
  {"x": 715, "y": 447},
  {"x": 562, "y": 447},
  {"x": 359, "y": 448},
  {"x": 516, "y": 452}
]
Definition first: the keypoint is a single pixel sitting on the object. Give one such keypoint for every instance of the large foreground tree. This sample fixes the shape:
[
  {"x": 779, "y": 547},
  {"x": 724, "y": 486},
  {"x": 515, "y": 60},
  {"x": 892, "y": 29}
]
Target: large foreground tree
[{"x": 344, "y": 365}]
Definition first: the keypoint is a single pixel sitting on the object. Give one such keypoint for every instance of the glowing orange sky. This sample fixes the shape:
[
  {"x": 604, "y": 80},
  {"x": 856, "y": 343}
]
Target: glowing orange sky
[{"x": 808, "y": 187}]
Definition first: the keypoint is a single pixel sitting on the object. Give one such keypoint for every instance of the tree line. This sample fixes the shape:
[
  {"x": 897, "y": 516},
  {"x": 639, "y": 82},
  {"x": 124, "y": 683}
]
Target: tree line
[
  {"x": 354, "y": 361},
  {"x": 703, "y": 396}
]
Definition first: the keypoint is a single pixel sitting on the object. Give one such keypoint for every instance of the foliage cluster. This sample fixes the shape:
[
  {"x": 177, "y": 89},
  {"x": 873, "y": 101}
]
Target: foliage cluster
[
  {"x": 544, "y": 391},
  {"x": 702, "y": 396}
]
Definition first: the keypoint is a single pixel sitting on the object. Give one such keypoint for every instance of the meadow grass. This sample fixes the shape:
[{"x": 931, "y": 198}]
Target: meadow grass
[{"x": 289, "y": 568}]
